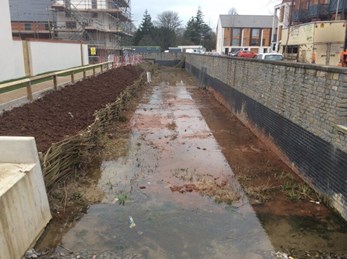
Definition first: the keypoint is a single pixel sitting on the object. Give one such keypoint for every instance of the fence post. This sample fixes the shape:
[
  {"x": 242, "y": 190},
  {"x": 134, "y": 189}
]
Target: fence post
[
  {"x": 84, "y": 74},
  {"x": 93, "y": 71},
  {"x": 29, "y": 92},
  {"x": 72, "y": 77},
  {"x": 82, "y": 57},
  {"x": 27, "y": 58},
  {"x": 55, "y": 82},
  {"x": 102, "y": 68}
]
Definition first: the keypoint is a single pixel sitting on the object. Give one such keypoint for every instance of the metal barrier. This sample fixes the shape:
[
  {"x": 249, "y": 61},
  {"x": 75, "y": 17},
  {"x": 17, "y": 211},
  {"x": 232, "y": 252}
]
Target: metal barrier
[{"x": 28, "y": 82}]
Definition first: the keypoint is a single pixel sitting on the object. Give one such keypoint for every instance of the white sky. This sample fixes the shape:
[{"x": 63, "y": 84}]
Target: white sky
[{"x": 211, "y": 9}]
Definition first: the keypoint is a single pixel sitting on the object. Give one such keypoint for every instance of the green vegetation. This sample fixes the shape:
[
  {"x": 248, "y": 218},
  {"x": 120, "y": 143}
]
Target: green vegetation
[
  {"x": 122, "y": 198},
  {"x": 294, "y": 190},
  {"x": 167, "y": 31}
]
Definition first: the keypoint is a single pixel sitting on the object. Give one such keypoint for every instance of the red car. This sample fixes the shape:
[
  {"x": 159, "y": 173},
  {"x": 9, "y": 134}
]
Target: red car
[{"x": 246, "y": 54}]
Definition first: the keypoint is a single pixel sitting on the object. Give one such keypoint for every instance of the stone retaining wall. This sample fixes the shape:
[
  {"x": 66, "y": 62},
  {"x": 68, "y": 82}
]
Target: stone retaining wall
[{"x": 300, "y": 110}]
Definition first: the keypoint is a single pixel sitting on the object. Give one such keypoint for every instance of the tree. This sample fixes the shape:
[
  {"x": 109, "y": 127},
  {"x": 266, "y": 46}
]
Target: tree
[
  {"x": 145, "y": 31},
  {"x": 232, "y": 11},
  {"x": 164, "y": 37},
  {"x": 168, "y": 19},
  {"x": 209, "y": 41},
  {"x": 198, "y": 32}
]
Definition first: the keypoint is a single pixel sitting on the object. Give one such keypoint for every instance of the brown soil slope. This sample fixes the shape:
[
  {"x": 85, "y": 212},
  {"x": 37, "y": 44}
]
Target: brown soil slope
[{"x": 67, "y": 111}]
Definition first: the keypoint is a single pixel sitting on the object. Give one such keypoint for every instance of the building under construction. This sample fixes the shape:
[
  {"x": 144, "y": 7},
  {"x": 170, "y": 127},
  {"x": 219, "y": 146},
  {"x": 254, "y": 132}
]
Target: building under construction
[
  {"x": 105, "y": 25},
  {"x": 311, "y": 31}
]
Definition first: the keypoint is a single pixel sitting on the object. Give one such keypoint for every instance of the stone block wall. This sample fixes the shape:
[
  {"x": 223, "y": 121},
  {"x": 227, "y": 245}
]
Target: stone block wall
[{"x": 299, "y": 109}]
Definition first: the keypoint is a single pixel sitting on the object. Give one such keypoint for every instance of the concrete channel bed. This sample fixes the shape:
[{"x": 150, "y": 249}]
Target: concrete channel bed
[{"x": 171, "y": 148}]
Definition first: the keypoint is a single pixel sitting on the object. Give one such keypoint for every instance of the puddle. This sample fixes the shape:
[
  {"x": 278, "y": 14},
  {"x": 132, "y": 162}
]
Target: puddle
[{"x": 170, "y": 146}]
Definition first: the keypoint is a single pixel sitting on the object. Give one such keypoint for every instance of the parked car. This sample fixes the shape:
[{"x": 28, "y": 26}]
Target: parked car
[
  {"x": 246, "y": 54},
  {"x": 270, "y": 56},
  {"x": 233, "y": 54}
]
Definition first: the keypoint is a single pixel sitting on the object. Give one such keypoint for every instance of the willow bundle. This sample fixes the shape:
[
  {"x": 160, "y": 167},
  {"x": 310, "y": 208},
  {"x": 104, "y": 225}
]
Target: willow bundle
[{"x": 63, "y": 157}]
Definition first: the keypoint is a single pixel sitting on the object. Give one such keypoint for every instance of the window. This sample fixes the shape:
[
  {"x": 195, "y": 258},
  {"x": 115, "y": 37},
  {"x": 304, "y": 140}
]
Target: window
[
  {"x": 236, "y": 37},
  {"x": 27, "y": 26},
  {"x": 291, "y": 49},
  {"x": 46, "y": 27},
  {"x": 246, "y": 36},
  {"x": 94, "y": 15},
  {"x": 255, "y": 37},
  {"x": 71, "y": 25},
  {"x": 225, "y": 42},
  {"x": 68, "y": 14},
  {"x": 94, "y": 4}
]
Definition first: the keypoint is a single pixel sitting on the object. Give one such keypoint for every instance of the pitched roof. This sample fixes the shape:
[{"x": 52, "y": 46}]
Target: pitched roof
[{"x": 246, "y": 21}]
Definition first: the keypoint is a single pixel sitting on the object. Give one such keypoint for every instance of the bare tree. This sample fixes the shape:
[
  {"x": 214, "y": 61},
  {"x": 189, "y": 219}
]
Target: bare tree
[
  {"x": 169, "y": 19},
  {"x": 232, "y": 11}
]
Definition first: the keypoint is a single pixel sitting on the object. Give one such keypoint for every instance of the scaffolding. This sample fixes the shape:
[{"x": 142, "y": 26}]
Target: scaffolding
[{"x": 105, "y": 24}]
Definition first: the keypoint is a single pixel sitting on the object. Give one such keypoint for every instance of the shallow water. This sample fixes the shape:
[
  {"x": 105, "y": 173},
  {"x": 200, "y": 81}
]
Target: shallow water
[{"x": 171, "y": 145}]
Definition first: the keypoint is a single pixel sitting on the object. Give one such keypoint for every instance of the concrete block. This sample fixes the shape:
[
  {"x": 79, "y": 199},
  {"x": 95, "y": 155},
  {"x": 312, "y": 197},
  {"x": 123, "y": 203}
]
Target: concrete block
[{"x": 23, "y": 199}]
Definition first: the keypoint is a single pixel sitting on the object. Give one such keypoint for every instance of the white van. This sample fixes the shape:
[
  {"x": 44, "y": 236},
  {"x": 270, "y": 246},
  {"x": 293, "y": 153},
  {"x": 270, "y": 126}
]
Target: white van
[{"x": 270, "y": 56}]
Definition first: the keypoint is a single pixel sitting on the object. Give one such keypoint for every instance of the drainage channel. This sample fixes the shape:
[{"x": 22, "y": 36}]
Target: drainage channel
[{"x": 173, "y": 196}]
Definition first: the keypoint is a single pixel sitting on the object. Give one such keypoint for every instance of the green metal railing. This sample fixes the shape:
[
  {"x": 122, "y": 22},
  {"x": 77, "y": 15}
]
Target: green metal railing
[{"x": 29, "y": 82}]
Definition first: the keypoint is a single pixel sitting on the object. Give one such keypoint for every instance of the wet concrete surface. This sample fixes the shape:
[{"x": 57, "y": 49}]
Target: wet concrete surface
[
  {"x": 161, "y": 201},
  {"x": 170, "y": 145}
]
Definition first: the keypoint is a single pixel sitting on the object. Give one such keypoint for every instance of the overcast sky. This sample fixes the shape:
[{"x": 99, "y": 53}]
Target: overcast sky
[{"x": 211, "y": 9}]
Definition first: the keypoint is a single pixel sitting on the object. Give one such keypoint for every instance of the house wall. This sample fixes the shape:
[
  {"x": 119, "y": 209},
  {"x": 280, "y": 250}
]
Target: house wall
[
  {"x": 299, "y": 110},
  {"x": 219, "y": 36},
  {"x": 225, "y": 36},
  {"x": 282, "y": 12},
  {"x": 20, "y": 26},
  {"x": 245, "y": 42},
  {"x": 319, "y": 41}
]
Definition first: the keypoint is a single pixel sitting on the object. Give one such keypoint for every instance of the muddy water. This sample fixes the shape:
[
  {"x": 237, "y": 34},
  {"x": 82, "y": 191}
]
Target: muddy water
[
  {"x": 300, "y": 228},
  {"x": 141, "y": 217}
]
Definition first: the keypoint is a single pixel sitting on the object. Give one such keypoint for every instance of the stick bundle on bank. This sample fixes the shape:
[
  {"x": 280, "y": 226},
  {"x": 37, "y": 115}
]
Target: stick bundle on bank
[{"x": 62, "y": 158}]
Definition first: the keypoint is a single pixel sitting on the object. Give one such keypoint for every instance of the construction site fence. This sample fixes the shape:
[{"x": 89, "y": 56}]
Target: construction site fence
[{"x": 126, "y": 60}]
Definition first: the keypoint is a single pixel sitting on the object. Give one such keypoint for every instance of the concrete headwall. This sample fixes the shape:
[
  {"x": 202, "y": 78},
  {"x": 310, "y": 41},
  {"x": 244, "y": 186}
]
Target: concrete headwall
[
  {"x": 24, "y": 204},
  {"x": 163, "y": 59},
  {"x": 299, "y": 110}
]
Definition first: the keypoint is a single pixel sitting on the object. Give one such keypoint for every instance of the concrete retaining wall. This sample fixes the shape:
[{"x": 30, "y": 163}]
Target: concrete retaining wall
[
  {"x": 299, "y": 110},
  {"x": 163, "y": 59},
  {"x": 24, "y": 208}
]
